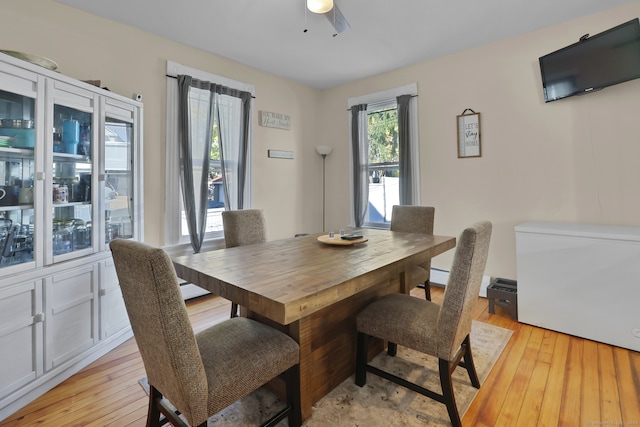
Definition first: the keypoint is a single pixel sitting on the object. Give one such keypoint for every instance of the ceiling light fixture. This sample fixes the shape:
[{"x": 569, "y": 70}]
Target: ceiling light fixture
[{"x": 319, "y": 6}]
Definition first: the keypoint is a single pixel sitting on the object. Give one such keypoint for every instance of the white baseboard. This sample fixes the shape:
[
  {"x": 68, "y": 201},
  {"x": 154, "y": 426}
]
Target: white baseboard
[{"x": 441, "y": 277}]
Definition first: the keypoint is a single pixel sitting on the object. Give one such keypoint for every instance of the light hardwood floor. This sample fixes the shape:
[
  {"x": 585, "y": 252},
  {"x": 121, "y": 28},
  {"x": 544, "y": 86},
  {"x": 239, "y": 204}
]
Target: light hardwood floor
[{"x": 542, "y": 378}]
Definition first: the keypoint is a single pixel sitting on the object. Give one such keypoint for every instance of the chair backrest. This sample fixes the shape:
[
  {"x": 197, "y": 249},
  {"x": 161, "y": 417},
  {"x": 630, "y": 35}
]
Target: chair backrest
[
  {"x": 161, "y": 325},
  {"x": 412, "y": 219},
  {"x": 415, "y": 219},
  {"x": 244, "y": 227},
  {"x": 463, "y": 287}
]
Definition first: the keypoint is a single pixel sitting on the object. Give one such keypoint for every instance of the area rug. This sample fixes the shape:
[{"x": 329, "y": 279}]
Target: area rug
[{"x": 380, "y": 402}]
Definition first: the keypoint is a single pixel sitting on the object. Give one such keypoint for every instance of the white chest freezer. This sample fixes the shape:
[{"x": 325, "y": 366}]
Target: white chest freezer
[{"x": 580, "y": 279}]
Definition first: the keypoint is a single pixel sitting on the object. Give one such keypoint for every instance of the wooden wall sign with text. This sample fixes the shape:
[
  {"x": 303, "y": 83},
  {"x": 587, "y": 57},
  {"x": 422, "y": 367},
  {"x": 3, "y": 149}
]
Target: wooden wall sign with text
[
  {"x": 469, "y": 134},
  {"x": 275, "y": 120}
]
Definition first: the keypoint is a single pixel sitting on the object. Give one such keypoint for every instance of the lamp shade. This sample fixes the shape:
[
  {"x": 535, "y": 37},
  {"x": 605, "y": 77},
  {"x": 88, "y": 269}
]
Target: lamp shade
[
  {"x": 319, "y": 6},
  {"x": 323, "y": 150}
]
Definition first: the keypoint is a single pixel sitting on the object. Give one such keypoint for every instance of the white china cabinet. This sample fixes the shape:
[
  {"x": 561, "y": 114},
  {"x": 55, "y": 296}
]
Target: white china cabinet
[{"x": 70, "y": 182}]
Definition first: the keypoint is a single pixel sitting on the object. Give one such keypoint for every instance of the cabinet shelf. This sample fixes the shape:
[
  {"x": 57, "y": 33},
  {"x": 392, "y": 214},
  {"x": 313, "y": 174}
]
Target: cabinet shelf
[
  {"x": 63, "y": 205},
  {"x": 17, "y": 153},
  {"x": 66, "y": 157},
  {"x": 17, "y": 207}
]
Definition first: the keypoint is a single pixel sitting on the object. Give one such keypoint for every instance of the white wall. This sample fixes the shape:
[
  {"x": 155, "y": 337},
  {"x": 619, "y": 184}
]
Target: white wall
[{"x": 574, "y": 160}]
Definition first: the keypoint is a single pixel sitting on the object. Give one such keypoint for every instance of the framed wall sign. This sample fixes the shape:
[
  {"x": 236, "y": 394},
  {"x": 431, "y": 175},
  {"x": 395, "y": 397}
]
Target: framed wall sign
[
  {"x": 469, "y": 134},
  {"x": 274, "y": 120}
]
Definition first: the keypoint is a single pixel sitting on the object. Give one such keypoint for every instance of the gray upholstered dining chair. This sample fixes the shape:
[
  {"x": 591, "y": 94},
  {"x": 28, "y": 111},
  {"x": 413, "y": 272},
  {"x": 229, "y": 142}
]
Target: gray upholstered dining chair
[
  {"x": 243, "y": 227},
  {"x": 415, "y": 219},
  {"x": 200, "y": 374},
  {"x": 441, "y": 331}
]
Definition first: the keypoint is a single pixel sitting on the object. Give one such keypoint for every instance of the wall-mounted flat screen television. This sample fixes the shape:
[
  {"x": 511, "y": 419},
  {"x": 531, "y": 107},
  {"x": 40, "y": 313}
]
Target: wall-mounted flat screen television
[{"x": 606, "y": 59}]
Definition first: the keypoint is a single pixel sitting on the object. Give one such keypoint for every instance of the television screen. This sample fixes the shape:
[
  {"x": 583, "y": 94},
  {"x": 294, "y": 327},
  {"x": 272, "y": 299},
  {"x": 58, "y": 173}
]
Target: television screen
[{"x": 593, "y": 63}]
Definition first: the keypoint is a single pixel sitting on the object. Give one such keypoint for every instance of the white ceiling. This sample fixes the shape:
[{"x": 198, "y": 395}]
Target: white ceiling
[{"x": 384, "y": 34}]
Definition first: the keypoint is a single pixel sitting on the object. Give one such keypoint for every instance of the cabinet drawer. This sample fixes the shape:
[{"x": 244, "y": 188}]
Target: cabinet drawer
[
  {"x": 20, "y": 336},
  {"x": 71, "y": 324},
  {"x": 113, "y": 313}
]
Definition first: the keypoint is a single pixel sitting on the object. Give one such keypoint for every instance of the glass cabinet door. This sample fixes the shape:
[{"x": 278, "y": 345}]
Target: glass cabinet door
[
  {"x": 71, "y": 192},
  {"x": 118, "y": 151},
  {"x": 17, "y": 140}
]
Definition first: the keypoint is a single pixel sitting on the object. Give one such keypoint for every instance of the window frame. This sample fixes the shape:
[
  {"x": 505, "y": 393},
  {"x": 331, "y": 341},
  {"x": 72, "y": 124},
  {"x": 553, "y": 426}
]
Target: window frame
[
  {"x": 173, "y": 193},
  {"x": 378, "y": 101}
]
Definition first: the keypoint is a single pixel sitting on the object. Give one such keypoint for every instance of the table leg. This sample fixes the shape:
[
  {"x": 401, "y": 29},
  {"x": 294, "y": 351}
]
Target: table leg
[{"x": 327, "y": 341}]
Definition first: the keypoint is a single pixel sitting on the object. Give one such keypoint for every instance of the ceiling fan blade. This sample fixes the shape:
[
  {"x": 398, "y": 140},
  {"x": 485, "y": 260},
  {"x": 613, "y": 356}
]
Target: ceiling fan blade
[{"x": 337, "y": 19}]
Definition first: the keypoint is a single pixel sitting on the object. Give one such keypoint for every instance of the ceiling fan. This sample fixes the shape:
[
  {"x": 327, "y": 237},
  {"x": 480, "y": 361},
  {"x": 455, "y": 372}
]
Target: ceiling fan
[{"x": 331, "y": 11}]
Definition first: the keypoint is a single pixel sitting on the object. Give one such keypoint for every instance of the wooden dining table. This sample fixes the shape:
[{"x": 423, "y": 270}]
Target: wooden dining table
[{"x": 313, "y": 291}]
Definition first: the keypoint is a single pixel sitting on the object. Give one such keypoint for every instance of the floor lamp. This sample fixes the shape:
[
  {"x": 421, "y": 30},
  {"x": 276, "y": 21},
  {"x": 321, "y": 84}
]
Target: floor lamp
[{"x": 323, "y": 150}]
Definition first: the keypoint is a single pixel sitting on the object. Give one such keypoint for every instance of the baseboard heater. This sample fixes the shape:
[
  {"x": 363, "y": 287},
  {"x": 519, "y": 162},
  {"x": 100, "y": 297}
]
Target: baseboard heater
[{"x": 441, "y": 277}]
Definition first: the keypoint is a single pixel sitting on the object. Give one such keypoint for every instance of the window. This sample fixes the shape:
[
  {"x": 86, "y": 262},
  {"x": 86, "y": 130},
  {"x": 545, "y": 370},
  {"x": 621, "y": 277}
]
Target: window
[
  {"x": 384, "y": 170},
  {"x": 229, "y": 108}
]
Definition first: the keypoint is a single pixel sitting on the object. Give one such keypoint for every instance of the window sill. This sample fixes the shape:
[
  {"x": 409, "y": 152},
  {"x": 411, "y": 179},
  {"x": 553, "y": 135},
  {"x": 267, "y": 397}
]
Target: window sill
[
  {"x": 186, "y": 249},
  {"x": 377, "y": 226}
]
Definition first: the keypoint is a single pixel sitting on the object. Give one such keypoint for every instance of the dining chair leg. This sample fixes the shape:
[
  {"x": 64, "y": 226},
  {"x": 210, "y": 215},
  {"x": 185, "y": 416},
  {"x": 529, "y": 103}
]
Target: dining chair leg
[
  {"x": 234, "y": 309},
  {"x": 468, "y": 363},
  {"x": 362, "y": 348},
  {"x": 392, "y": 349},
  {"x": 292, "y": 379},
  {"x": 160, "y": 413},
  {"x": 427, "y": 290},
  {"x": 153, "y": 412},
  {"x": 447, "y": 393}
]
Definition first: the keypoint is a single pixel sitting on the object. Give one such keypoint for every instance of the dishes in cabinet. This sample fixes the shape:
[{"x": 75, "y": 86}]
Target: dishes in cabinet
[
  {"x": 16, "y": 123},
  {"x": 60, "y": 194},
  {"x": 8, "y": 196},
  {"x": 25, "y": 196},
  {"x": 5, "y": 141},
  {"x": 16, "y": 243},
  {"x": 70, "y": 235},
  {"x": 19, "y": 137}
]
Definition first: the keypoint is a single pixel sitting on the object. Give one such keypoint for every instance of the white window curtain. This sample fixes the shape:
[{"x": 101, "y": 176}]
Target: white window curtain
[
  {"x": 233, "y": 128},
  {"x": 174, "y": 232},
  {"x": 410, "y": 156}
]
